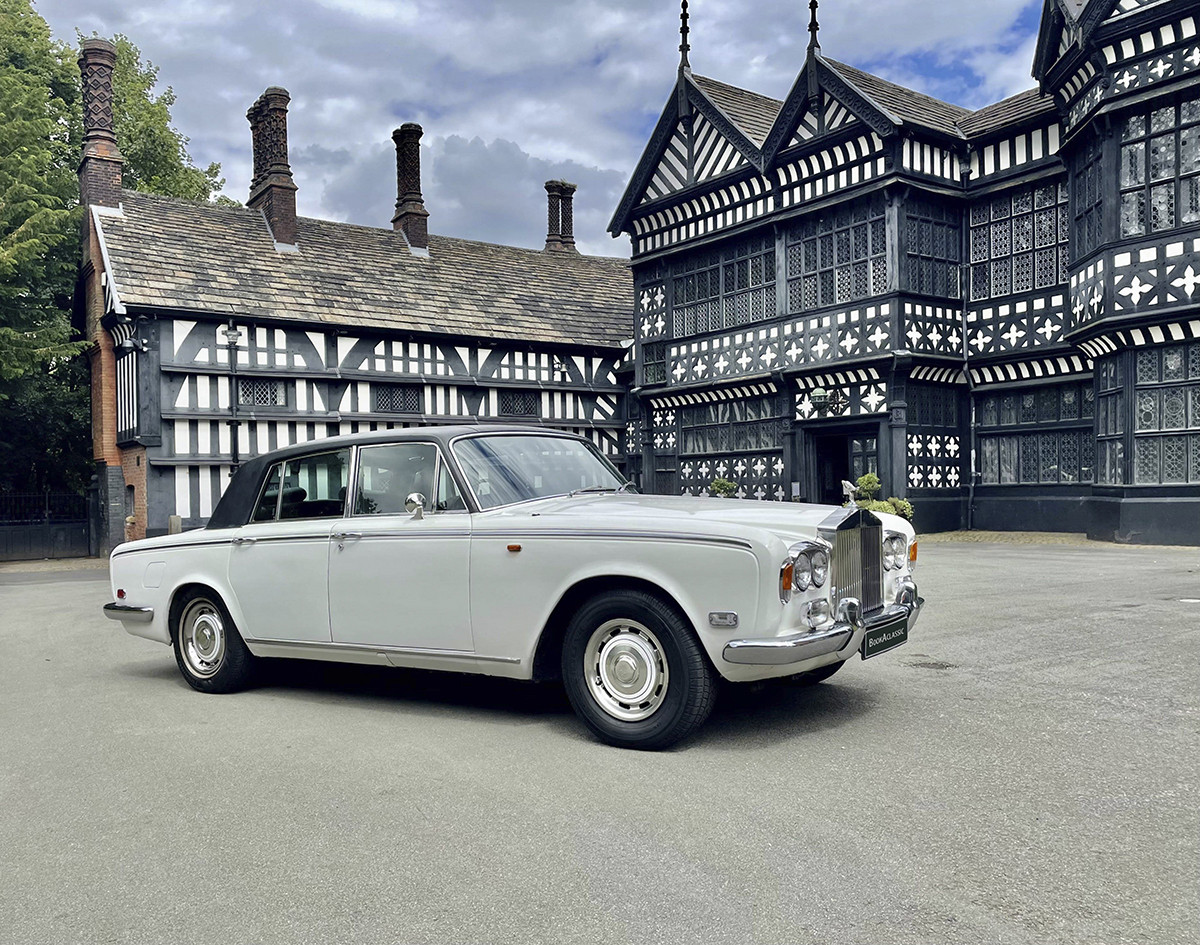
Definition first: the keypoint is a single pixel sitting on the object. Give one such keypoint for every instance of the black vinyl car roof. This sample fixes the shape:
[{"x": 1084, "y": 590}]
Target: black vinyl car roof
[{"x": 237, "y": 503}]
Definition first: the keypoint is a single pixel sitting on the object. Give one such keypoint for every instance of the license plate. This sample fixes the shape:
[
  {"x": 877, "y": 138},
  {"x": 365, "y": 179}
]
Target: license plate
[{"x": 880, "y": 639}]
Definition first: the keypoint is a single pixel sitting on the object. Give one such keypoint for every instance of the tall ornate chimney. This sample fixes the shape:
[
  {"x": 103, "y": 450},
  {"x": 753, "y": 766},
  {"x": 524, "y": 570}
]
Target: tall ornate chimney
[
  {"x": 411, "y": 217},
  {"x": 100, "y": 167},
  {"x": 272, "y": 189},
  {"x": 553, "y": 217},
  {"x": 560, "y": 217}
]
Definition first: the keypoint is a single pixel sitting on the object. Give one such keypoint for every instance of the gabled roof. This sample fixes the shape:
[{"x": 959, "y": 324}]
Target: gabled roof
[
  {"x": 173, "y": 254},
  {"x": 1011, "y": 111},
  {"x": 754, "y": 114},
  {"x": 1080, "y": 18},
  {"x": 767, "y": 125},
  {"x": 915, "y": 108}
]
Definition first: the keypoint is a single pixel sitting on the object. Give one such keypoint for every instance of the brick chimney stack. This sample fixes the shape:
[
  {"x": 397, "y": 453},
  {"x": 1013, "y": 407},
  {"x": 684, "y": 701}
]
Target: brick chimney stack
[
  {"x": 272, "y": 189},
  {"x": 100, "y": 167},
  {"x": 560, "y": 217},
  {"x": 411, "y": 217}
]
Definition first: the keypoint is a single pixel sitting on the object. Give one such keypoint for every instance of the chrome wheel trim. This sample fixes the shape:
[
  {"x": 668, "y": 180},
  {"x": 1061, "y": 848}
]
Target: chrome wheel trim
[
  {"x": 202, "y": 639},
  {"x": 626, "y": 670}
]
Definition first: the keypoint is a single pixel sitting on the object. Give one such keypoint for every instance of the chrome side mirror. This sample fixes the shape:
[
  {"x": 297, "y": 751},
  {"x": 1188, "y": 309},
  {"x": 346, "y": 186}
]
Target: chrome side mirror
[{"x": 415, "y": 503}]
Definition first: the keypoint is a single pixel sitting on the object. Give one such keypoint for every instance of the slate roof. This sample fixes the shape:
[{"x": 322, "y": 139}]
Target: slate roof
[
  {"x": 912, "y": 107},
  {"x": 754, "y": 114},
  {"x": 1018, "y": 108},
  {"x": 166, "y": 253}
]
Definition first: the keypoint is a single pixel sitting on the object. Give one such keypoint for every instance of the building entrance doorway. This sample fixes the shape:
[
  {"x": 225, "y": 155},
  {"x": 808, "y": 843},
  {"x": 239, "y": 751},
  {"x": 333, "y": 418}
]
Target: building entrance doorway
[{"x": 842, "y": 456}]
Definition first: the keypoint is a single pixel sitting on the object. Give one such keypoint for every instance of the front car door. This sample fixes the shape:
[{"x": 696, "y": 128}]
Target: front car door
[
  {"x": 395, "y": 579},
  {"x": 278, "y": 564}
]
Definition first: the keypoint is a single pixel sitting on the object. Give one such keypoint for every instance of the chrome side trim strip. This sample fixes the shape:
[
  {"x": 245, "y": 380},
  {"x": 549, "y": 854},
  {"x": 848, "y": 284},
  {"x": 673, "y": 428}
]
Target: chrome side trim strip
[
  {"x": 127, "y": 613},
  {"x": 501, "y": 534},
  {"x": 290, "y": 646},
  {"x": 416, "y": 532},
  {"x": 187, "y": 544}
]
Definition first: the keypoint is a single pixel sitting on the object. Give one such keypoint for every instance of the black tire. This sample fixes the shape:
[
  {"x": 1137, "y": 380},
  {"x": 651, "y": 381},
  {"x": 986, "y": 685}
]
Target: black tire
[
  {"x": 634, "y": 671},
  {"x": 814, "y": 676},
  {"x": 208, "y": 648}
]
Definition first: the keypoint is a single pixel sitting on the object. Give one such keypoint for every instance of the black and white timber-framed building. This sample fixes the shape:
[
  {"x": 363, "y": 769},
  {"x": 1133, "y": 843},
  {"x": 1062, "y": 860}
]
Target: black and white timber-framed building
[
  {"x": 996, "y": 310},
  {"x": 221, "y": 333}
]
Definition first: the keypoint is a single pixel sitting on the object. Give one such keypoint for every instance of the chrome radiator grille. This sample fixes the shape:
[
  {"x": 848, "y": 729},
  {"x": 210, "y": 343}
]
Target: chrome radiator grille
[{"x": 858, "y": 565}]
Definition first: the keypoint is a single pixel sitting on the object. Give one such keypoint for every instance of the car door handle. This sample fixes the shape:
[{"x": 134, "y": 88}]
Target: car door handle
[
  {"x": 244, "y": 541},
  {"x": 346, "y": 536}
]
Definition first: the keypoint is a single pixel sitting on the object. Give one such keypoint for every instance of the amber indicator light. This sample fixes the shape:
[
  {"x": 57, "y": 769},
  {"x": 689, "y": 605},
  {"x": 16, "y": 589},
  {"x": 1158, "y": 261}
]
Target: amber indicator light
[
  {"x": 514, "y": 547},
  {"x": 912, "y": 553}
]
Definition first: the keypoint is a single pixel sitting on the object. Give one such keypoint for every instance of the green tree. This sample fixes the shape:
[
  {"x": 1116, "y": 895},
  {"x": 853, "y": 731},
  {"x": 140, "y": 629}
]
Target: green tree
[
  {"x": 37, "y": 195},
  {"x": 44, "y": 407}
]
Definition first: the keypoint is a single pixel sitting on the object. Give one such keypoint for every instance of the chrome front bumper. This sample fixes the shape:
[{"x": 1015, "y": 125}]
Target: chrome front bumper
[
  {"x": 128, "y": 613},
  {"x": 847, "y": 630}
]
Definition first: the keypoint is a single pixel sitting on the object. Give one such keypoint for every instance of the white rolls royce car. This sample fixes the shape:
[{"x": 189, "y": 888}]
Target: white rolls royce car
[{"x": 519, "y": 553}]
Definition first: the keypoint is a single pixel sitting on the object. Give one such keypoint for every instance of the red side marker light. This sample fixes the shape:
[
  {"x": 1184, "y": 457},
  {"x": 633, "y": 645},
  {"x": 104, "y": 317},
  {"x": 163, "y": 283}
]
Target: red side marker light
[{"x": 120, "y": 593}]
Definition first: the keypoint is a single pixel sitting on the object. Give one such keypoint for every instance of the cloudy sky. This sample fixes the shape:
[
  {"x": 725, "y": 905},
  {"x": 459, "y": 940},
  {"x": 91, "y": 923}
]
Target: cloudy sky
[{"x": 514, "y": 93}]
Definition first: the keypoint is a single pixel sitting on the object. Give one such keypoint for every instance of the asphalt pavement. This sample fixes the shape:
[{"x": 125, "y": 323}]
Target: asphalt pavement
[{"x": 1024, "y": 770}]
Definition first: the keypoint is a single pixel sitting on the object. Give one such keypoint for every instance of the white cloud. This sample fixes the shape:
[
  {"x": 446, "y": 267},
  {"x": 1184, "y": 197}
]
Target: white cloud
[{"x": 511, "y": 94}]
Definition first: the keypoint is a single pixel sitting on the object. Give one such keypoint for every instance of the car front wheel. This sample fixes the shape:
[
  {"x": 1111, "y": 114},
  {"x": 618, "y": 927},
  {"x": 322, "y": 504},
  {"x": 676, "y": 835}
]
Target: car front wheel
[
  {"x": 634, "y": 671},
  {"x": 208, "y": 647}
]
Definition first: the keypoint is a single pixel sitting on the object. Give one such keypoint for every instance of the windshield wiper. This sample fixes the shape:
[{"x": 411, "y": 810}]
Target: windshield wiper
[{"x": 621, "y": 488}]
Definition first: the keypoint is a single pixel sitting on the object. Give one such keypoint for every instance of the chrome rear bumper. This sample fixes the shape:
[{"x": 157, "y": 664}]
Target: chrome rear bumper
[
  {"x": 128, "y": 613},
  {"x": 850, "y": 626}
]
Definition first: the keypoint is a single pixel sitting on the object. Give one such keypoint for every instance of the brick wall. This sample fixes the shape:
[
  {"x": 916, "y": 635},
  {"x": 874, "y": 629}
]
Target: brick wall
[{"x": 133, "y": 464}]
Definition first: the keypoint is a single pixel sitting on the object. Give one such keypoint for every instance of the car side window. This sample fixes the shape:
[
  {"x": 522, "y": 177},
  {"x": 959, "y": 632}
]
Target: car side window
[
  {"x": 449, "y": 499},
  {"x": 264, "y": 511},
  {"x": 315, "y": 486},
  {"x": 388, "y": 474}
]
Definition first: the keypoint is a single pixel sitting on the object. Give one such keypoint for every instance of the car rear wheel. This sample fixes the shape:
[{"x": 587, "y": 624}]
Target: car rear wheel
[
  {"x": 208, "y": 647},
  {"x": 635, "y": 673}
]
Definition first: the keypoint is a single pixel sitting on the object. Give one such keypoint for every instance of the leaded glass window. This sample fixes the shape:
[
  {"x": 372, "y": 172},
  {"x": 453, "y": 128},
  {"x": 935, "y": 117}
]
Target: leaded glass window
[
  {"x": 1087, "y": 198},
  {"x": 258, "y": 392},
  {"x": 1061, "y": 451},
  {"x": 932, "y": 405},
  {"x": 520, "y": 403},
  {"x": 933, "y": 234},
  {"x": 1021, "y": 244},
  {"x": 654, "y": 363},
  {"x": 837, "y": 256},
  {"x": 1160, "y": 168},
  {"x": 1110, "y": 420},
  {"x": 1166, "y": 414},
  {"x": 731, "y": 426},
  {"x": 721, "y": 288},
  {"x": 399, "y": 398}
]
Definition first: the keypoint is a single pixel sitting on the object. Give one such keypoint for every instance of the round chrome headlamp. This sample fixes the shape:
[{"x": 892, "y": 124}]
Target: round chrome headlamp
[
  {"x": 820, "y": 567},
  {"x": 802, "y": 571},
  {"x": 894, "y": 549}
]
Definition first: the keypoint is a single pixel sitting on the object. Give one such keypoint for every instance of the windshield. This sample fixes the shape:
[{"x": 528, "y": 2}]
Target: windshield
[{"x": 512, "y": 468}]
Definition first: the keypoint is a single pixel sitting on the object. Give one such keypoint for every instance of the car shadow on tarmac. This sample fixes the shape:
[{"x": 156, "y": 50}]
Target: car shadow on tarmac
[{"x": 745, "y": 716}]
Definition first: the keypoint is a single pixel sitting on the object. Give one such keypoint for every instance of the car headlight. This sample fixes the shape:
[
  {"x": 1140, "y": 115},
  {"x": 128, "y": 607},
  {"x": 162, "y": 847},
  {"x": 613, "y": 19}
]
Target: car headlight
[
  {"x": 807, "y": 566},
  {"x": 895, "y": 550},
  {"x": 802, "y": 571},
  {"x": 820, "y": 567}
]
